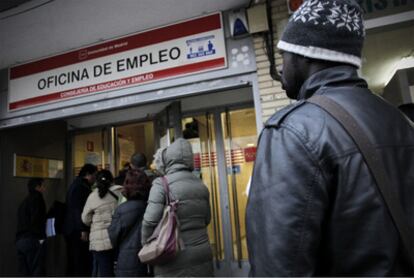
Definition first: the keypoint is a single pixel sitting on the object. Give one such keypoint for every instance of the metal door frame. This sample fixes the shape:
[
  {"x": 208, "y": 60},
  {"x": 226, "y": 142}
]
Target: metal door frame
[
  {"x": 69, "y": 147},
  {"x": 228, "y": 267}
]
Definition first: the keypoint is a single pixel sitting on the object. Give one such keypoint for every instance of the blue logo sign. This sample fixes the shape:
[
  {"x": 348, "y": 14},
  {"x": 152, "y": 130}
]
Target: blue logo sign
[{"x": 200, "y": 47}]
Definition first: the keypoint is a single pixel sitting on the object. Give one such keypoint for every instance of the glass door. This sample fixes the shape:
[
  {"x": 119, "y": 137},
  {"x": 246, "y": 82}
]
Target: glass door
[
  {"x": 167, "y": 125},
  {"x": 132, "y": 138},
  {"x": 90, "y": 147},
  {"x": 240, "y": 137},
  {"x": 200, "y": 132},
  {"x": 224, "y": 146}
]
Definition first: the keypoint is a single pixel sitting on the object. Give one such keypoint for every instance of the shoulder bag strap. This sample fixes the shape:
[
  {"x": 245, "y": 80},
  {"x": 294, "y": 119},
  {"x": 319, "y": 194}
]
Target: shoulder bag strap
[
  {"x": 375, "y": 165},
  {"x": 169, "y": 199},
  {"x": 113, "y": 195}
]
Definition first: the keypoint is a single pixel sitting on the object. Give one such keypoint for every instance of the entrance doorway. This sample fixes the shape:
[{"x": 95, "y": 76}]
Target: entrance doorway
[
  {"x": 224, "y": 146},
  {"x": 223, "y": 139}
]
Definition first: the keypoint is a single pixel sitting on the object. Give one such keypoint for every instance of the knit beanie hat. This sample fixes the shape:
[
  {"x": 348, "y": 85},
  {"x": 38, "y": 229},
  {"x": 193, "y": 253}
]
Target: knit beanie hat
[{"x": 330, "y": 30}]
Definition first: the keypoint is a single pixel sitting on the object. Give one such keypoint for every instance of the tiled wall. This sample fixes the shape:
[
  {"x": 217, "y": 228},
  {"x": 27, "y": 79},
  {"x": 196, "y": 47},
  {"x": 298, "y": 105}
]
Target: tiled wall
[{"x": 273, "y": 98}]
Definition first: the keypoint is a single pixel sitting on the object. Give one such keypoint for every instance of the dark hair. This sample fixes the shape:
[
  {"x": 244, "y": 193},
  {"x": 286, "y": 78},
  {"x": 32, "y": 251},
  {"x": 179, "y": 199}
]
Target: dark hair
[
  {"x": 139, "y": 160},
  {"x": 137, "y": 185},
  {"x": 120, "y": 179},
  {"x": 87, "y": 169},
  {"x": 33, "y": 183},
  {"x": 104, "y": 180}
]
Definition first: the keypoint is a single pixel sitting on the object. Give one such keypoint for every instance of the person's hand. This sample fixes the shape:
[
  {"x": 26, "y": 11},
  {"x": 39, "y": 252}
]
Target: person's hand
[{"x": 84, "y": 236}]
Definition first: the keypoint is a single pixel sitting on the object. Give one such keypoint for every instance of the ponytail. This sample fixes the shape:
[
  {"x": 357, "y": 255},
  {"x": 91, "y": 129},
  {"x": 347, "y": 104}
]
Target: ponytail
[{"x": 104, "y": 181}]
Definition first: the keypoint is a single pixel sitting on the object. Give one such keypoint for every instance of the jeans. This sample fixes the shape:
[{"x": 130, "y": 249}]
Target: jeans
[
  {"x": 31, "y": 255},
  {"x": 103, "y": 263}
]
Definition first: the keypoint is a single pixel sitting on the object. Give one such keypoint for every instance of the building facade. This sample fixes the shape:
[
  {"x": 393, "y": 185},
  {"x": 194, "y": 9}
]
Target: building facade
[{"x": 199, "y": 75}]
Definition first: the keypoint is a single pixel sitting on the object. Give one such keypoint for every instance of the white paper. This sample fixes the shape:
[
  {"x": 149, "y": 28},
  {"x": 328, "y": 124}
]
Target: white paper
[{"x": 50, "y": 227}]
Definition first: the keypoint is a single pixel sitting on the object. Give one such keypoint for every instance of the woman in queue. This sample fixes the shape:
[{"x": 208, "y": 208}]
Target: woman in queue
[
  {"x": 176, "y": 164},
  {"x": 125, "y": 229},
  {"x": 97, "y": 214}
]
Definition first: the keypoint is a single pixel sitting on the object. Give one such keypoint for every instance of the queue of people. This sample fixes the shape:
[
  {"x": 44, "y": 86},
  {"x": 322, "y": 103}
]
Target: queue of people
[{"x": 106, "y": 224}]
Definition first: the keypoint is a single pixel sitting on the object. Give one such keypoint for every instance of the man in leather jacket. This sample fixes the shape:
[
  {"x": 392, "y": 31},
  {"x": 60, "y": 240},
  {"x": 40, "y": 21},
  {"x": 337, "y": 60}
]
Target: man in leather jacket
[{"x": 313, "y": 205}]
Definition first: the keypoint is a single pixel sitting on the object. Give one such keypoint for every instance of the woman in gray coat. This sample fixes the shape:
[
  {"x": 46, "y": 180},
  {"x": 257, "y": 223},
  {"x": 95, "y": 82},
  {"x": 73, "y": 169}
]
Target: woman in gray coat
[{"x": 176, "y": 162}]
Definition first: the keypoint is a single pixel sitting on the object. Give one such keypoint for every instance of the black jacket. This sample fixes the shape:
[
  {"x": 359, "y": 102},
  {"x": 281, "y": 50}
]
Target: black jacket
[
  {"x": 76, "y": 198},
  {"x": 31, "y": 217},
  {"x": 125, "y": 235},
  {"x": 313, "y": 208}
]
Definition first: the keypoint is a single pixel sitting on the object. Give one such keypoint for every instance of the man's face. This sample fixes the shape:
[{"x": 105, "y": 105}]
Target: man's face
[{"x": 292, "y": 73}]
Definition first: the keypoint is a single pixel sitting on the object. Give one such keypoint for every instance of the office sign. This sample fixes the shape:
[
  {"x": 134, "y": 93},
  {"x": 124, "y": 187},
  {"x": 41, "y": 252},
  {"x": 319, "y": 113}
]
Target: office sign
[{"x": 184, "y": 48}]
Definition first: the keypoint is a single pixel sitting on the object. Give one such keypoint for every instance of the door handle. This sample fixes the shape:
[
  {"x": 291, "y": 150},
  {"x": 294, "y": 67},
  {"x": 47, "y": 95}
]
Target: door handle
[
  {"x": 216, "y": 228},
  {"x": 234, "y": 193}
]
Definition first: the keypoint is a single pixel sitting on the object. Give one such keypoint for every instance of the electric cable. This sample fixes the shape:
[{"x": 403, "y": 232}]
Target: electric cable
[{"x": 27, "y": 10}]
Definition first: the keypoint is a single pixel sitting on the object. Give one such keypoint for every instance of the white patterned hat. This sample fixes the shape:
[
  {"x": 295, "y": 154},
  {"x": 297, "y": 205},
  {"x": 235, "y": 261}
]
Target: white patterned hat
[{"x": 331, "y": 30}]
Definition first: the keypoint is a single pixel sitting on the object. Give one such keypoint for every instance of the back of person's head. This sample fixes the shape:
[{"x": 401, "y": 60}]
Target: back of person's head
[
  {"x": 33, "y": 183},
  {"x": 87, "y": 169},
  {"x": 137, "y": 185},
  {"x": 408, "y": 110},
  {"x": 120, "y": 179},
  {"x": 104, "y": 180},
  {"x": 138, "y": 160}
]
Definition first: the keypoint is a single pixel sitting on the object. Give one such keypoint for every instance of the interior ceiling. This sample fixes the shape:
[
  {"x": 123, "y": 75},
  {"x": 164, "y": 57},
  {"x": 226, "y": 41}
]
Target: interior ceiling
[{"x": 40, "y": 28}]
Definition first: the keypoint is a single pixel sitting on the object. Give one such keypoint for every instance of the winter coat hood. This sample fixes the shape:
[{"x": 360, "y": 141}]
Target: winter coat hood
[{"x": 178, "y": 156}]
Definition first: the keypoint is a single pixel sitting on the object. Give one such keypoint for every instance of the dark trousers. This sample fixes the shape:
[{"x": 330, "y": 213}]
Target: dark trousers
[
  {"x": 31, "y": 255},
  {"x": 79, "y": 257},
  {"x": 103, "y": 263}
]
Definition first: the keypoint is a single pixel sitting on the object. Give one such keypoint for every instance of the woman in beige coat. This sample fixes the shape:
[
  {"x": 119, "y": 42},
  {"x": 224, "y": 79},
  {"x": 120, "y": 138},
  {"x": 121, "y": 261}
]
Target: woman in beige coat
[{"x": 97, "y": 214}]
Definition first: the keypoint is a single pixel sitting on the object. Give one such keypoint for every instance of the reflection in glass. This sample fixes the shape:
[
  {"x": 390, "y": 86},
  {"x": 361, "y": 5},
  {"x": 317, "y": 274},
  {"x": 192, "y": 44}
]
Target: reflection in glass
[
  {"x": 134, "y": 138},
  {"x": 90, "y": 148},
  {"x": 239, "y": 131},
  {"x": 199, "y": 131}
]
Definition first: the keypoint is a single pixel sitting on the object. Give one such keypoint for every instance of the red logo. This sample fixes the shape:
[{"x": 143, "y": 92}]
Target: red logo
[
  {"x": 83, "y": 54},
  {"x": 250, "y": 154}
]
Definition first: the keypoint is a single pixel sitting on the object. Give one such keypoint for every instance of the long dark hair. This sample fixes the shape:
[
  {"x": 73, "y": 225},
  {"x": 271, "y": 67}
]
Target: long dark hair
[{"x": 104, "y": 180}]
